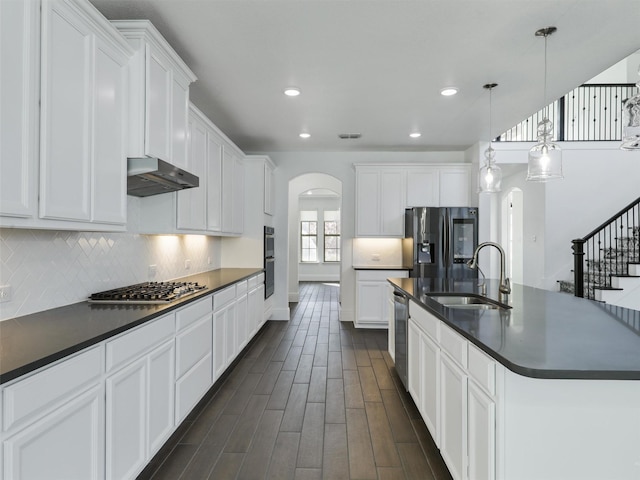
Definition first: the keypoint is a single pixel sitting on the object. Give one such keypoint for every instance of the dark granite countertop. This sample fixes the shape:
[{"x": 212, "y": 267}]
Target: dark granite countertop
[
  {"x": 545, "y": 334},
  {"x": 33, "y": 341}
]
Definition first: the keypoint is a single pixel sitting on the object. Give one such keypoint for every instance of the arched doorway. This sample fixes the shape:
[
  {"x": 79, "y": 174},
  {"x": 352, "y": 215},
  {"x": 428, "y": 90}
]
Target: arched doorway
[{"x": 325, "y": 199}]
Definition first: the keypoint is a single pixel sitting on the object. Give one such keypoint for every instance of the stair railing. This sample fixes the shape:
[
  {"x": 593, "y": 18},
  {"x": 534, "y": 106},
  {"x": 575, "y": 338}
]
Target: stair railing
[{"x": 606, "y": 251}]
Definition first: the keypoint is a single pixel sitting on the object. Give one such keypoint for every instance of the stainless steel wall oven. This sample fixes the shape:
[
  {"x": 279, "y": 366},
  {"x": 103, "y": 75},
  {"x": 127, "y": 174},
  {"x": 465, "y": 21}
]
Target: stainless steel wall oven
[{"x": 269, "y": 261}]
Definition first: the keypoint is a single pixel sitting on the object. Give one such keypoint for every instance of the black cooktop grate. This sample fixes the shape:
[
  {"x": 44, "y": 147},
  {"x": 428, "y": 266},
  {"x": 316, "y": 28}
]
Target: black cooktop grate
[{"x": 148, "y": 293}]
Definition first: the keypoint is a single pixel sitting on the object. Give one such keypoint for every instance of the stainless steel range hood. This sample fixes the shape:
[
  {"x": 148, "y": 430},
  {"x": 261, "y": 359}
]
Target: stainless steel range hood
[{"x": 151, "y": 176}]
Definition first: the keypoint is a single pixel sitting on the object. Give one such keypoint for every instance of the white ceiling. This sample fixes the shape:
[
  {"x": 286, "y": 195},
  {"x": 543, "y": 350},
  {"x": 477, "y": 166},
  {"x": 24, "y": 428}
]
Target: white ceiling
[{"x": 376, "y": 67}]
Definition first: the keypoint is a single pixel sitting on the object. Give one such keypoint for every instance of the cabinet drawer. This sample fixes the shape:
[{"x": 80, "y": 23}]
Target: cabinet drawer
[
  {"x": 45, "y": 389},
  {"x": 221, "y": 298},
  {"x": 426, "y": 321},
  {"x": 193, "y": 312},
  {"x": 193, "y": 344},
  {"x": 192, "y": 386},
  {"x": 137, "y": 342},
  {"x": 241, "y": 288},
  {"x": 454, "y": 344},
  {"x": 482, "y": 369}
]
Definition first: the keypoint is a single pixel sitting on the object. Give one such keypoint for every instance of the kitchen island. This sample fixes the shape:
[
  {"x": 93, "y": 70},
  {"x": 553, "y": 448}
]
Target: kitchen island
[{"x": 545, "y": 389}]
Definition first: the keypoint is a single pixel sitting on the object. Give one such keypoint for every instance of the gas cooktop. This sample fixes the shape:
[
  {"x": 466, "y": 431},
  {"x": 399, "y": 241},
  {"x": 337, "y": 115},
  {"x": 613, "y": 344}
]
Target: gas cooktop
[{"x": 148, "y": 293}]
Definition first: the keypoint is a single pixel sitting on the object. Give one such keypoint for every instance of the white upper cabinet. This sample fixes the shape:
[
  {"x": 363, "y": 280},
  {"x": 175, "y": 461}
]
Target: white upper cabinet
[
  {"x": 79, "y": 61},
  {"x": 454, "y": 186},
  {"x": 192, "y": 202},
  {"x": 216, "y": 206},
  {"x": 379, "y": 202},
  {"x": 422, "y": 186},
  {"x": 269, "y": 193},
  {"x": 384, "y": 191},
  {"x": 159, "y": 95},
  {"x": 19, "y": 64},
  {"x": 232, "y": 192}
]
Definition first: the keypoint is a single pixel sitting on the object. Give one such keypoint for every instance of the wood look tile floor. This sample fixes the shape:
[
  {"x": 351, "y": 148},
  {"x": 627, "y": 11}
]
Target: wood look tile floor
[{"x": 311, "y": 398}]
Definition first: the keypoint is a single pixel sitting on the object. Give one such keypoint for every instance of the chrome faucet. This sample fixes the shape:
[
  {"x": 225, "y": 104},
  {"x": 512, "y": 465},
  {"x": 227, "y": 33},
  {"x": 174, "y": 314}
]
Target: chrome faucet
[{"x": 505, "y": 285}]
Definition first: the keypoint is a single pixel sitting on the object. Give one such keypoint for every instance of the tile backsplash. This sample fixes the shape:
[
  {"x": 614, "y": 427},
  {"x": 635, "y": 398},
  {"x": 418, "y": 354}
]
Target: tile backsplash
[{"x": 48, "y": 269}]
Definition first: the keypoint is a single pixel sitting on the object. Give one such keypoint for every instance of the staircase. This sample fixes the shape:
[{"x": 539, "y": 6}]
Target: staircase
[{"x": 607, "y": 260}]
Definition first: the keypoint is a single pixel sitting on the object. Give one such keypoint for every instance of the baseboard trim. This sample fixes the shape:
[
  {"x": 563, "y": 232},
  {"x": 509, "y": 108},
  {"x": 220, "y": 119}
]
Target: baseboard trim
[{"x": 281, "y": 314}]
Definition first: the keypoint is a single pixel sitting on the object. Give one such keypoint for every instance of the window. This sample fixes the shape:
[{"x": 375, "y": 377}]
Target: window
[
  {"x": 308, "y": 236},
  {"x": 331, "y": 236}
]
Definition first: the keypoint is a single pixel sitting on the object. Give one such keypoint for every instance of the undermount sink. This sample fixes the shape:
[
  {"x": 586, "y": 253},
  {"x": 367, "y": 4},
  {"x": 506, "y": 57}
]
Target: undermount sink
[{"x": 466, "y": 301}]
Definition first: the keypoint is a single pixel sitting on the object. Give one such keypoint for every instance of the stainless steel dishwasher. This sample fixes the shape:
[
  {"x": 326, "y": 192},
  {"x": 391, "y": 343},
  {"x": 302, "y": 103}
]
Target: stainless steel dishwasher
[{"x": 401, "y": 320}]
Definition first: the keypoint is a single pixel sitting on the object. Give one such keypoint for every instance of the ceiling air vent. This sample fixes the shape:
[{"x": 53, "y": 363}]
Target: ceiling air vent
[{"x": 349, "y": 136}]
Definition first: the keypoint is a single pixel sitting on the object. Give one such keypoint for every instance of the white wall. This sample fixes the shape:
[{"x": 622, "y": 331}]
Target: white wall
[{"x": 48, "y": 269}]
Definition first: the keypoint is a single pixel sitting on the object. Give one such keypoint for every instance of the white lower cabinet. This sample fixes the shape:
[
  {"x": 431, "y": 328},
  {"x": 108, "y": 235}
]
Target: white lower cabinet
[
  {"x": 424, "y": 376},
  {"x": 53, "y": 421},
  {"x": 255, "y": 304},
  {"x": 139, "y": 396},
  {"x": 224, "y": 328},
  {"x": 105, "y": 412},
  {"x": 481, "y": 438},
  {"x": 372, "y": 296},
  {"x": 194, "y": 349},
  {"x": 65, "y": 444},
  {"x": 453, "y": 385},
  {"x": 453, "y": 416}
]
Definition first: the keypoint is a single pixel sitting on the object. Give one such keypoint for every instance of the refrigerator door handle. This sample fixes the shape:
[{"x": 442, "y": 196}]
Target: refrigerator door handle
[
  {"x": 445, "y": 241},
  {"x": 447, "y": 221}
]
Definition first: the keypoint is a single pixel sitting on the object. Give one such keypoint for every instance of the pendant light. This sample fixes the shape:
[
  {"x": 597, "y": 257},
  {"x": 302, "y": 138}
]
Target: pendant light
[
  {"x": 545, "y": 158},
  {"x": 631, "y": 122},
  {"x": 489, "y": 175}
]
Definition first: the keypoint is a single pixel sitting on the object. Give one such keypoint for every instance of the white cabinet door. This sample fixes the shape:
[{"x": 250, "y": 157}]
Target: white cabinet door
[
  {"x": 261, "y": 315},
  {"x": 126, "y": 421},
  {"x": 454, "y": 187},
  {"x": 379, "y": 202},
  {"x": 219, "y": 341},
  {"x": 68, "y": 443},
  {"x": 242, "y": 323},
  {"x": 422, "y": 187},
  {"x": 161, "y": 364},
  {"x": 391, "y": 336},
  {"x": 453, "y": 417},
  {"x": 368, "y": 200},
  {"x": 481, "y": 434},
  {"x": 231, "y": 332},
  {"x": 179, "y": 118},
  {"x": 158, "y": 104},
  {"x": 109, "y": 168},
  {"x": 19, "y": 39},
  {"x": 66, "y": 113},
  {"x": 413, "y": 363},
  {"x": 269, "y": 196},
  {"x": 371, "y": 303},
  {"x": 430, "y": 384},
  {"x": 159, "y": 91},
  {"x": 392, "y": 203},
  {"x": 214, "y": 182},
  {"x": 232, "y": 192},
  {"x": 192, "y": 202}
]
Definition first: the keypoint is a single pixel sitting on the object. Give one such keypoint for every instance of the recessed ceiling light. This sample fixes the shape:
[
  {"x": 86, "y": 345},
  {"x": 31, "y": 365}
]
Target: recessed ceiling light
[
  {"x": 415, "y": 135},
  {"x": 448, "y": 91},
  {"x": 305, "y": 135},
  {"x": 292, "y": 91}
]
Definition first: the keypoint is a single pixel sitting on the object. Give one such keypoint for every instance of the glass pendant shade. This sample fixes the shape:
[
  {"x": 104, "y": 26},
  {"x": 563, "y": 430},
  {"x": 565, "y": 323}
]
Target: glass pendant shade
[
  {"x": 631, "y": 122},
  {"x": 545, "y": 157},
  {"x": 490, "y": 175}
]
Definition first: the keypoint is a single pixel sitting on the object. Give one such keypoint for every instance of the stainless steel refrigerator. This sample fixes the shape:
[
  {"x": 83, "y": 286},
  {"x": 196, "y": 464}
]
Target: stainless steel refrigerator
[{"x": 439, "y": 241}]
